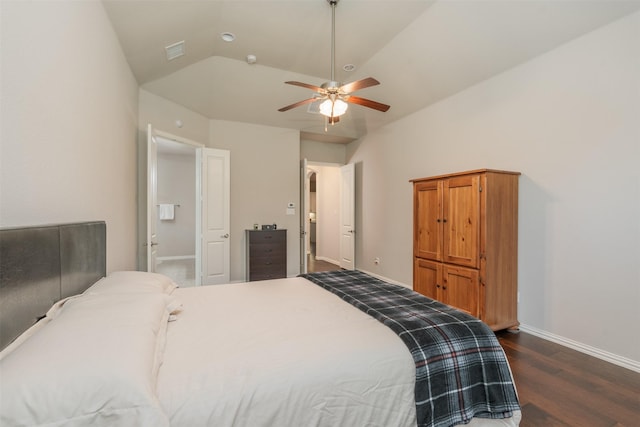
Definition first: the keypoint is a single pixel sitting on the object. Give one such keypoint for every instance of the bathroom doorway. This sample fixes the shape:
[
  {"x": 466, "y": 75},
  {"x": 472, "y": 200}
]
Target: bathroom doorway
[
  {"x": 176, "y": 213},
  {"x": 187, "y": 215}
]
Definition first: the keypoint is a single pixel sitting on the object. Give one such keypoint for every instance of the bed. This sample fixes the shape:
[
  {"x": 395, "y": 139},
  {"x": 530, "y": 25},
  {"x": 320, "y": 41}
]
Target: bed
[{"x": 132, "y": 348}]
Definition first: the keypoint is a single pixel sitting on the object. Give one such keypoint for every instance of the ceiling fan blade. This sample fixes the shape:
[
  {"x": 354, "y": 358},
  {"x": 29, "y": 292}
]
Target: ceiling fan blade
[
  {"x": 367, "y": 103},
  {"x": 306, "y": 85},
  {"x": 359, "y": 84},
  {"x": 297, "y": 104}
]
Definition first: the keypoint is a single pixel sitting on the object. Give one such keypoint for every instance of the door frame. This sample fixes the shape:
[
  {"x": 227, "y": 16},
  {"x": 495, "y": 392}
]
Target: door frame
[
  {"x": 314, "y": 167},
  {"x": 348, "y": 216},
  {"x": 304, "y": 215},
  {"x": 152, "y": 197}
]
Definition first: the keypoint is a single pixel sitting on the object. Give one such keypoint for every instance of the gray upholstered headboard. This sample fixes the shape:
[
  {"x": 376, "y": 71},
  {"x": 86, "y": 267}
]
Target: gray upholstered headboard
[{"x": 40, "y": 265}]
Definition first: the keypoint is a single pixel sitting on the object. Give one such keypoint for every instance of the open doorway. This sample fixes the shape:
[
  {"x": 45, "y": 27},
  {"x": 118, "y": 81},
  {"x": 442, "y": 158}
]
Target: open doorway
[
  {"x": 176, "y": 211},
  {"x": 322, "y": 214},
  {"x": 193, "y": 202},
  {"x": 313, "y": 211}
]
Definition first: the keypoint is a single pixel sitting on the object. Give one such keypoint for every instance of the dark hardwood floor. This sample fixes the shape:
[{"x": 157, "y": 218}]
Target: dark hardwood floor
[
  {"x": 558, "y": 386},
  {"x": 314, "y": 265}
]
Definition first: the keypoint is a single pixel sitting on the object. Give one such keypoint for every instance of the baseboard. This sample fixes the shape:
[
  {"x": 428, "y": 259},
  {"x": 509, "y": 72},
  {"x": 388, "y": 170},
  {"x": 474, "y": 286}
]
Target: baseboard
[
  {"x": 625, "y": 362},
  {"x": 174, "y": 258},
  {"x": 332, "y": 261},
  {"x": 386, "y": 279}
]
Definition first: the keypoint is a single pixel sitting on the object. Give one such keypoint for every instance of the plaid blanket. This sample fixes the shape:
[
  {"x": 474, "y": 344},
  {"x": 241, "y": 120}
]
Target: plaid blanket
[{"x": 461, "y": 369}]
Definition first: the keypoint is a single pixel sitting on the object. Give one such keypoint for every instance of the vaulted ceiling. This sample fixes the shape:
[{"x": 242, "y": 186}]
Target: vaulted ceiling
[{"x": 421, "y": 51}]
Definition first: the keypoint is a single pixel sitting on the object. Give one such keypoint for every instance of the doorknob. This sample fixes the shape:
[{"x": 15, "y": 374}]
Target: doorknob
[
  {"x": 225, "y": 236},
  {"x": 154, "y": 243}
]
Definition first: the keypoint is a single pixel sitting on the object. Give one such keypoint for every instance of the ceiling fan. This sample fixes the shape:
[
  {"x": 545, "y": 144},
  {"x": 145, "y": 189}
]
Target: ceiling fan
[{"x": 336, "y": 96}]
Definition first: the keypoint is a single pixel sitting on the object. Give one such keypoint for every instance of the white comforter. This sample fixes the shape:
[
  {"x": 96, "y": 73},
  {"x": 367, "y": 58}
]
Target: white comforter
[{"x": 282, "y": 353}]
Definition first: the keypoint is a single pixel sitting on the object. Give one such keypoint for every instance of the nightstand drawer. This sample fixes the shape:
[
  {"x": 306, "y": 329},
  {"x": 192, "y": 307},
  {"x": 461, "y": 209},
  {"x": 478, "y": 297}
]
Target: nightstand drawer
[
  {"x": 271, "y": 270},
  {"x": 271, "y": 236},
  {"x": 267, "y": 259},
  {"x": 263, "y": 250}
]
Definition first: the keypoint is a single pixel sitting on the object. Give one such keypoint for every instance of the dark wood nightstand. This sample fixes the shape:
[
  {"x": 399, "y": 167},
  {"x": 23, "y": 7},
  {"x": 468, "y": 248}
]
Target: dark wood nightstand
[{"x": 266, "y": 254}]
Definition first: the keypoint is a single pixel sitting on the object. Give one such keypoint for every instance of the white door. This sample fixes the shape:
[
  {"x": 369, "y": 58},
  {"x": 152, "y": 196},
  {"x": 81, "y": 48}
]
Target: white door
[
  {"x": 347, "y": 217},
  {"x": 304, "y": 215},
  {"x": 215, "y": 216},
  {"x": 152, "y": 197}
]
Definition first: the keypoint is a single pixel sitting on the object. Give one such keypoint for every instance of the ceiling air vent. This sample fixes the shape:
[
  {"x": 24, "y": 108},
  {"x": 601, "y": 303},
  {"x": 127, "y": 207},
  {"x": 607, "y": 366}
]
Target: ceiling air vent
[
  {"x": 175, "y": 50},
  {"x": 314, "y": 107}
]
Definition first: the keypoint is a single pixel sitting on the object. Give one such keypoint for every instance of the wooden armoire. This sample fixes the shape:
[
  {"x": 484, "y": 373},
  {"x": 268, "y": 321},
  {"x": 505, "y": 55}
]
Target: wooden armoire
[{"x": 465, "y": 243}]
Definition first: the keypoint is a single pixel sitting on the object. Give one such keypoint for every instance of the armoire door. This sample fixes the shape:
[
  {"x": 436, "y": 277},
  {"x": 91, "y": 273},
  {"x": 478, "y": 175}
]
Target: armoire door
[
  {"x": 427, "y": 278},
  {"x": 428, "y": 220},
  {"x": 461, "y": 220},
  {"x": 461, "y": 289}
]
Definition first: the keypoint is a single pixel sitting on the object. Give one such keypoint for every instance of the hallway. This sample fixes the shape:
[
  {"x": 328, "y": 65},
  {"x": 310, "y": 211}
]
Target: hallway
[{"x": 314, "y": 266}]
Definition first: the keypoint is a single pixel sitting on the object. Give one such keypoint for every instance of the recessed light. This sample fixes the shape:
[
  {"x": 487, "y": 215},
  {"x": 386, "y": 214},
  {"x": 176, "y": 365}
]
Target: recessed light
[
  {"x": 228, "y": 37},
  {"x": 349, "y": 67}
]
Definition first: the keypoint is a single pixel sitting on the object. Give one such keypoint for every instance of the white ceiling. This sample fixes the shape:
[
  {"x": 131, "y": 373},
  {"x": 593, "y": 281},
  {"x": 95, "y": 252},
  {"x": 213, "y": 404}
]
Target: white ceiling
[{"x": 421, "y": 51}]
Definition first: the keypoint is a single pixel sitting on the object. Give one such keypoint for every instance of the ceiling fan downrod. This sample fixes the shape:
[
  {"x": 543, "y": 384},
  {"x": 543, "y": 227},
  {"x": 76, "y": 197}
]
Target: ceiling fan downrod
[
  {"x": 333, "y": 4},
  {"x": 332, "y": 85}
]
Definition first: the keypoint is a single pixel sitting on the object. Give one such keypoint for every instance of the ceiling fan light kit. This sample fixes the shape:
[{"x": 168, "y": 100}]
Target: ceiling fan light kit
[
  {"x": 336, "y": 96},
  {"x": 331, "y": 108}
]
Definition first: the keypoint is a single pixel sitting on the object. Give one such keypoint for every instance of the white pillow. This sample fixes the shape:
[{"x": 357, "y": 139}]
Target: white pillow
[
  {"x": 95, "y": 363},
  {"x": 133, "y": 281}
]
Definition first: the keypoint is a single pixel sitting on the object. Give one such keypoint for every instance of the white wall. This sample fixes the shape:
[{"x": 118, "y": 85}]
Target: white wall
[
  {"x": 69, "y": 115},
  {"x": 163, "y": 114},
  {"x": 568, "y": 120},
  {"x": 326, "y": 152},
  {"x": 265, "y": 176}
]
